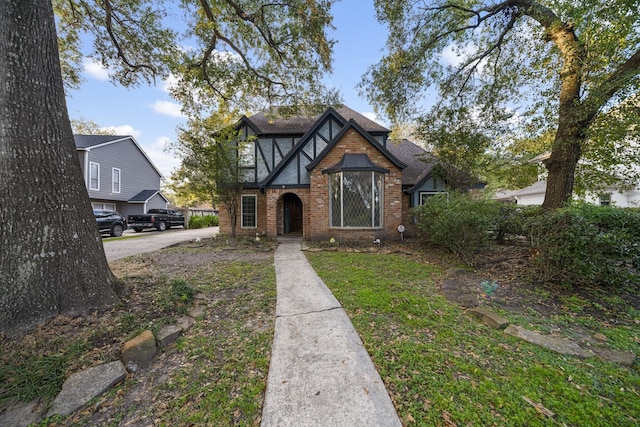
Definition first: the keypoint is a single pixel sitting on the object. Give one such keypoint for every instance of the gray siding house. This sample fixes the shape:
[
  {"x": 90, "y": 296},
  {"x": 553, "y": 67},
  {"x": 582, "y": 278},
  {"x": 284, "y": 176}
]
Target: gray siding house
[{"x": 118, "y": 174}]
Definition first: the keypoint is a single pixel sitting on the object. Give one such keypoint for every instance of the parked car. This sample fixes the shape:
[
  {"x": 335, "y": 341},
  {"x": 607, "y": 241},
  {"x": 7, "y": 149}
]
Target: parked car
[
  {"x": 110, "y": 222},
  {"x": 160, "y": 219}
]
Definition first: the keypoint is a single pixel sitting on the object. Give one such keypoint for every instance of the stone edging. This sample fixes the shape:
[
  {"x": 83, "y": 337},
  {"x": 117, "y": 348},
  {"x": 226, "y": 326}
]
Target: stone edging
[
  {"x": 456, "y": 288},
  {"x": 83, "y": 386}
]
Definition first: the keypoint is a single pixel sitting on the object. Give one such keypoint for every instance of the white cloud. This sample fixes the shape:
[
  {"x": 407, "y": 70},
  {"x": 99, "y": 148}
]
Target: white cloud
[
  {"x": 169, "y": 83},
  {"x": 164, "y": 161},
  {"x": 371, "y": 116},
  {"x": 124, "y": 130},
  {"x": 167, "y": 108},
  {"x": 95, "y": 69},
  {"x": 452, "y": 56}
]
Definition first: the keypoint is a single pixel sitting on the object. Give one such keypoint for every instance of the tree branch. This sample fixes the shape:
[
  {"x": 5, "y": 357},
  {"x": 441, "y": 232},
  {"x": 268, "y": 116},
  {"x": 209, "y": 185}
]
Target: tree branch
[
  {"x": 616, "y": 81},
  {"x": 109, "y": 17},
  {"x": 219, "y": 36}
]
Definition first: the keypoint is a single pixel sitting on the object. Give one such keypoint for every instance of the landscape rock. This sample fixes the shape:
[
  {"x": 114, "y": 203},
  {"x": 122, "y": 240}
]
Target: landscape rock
[
  {"x": 22, "y": 414},
  {"x": 624, "y": 358},
  {"x": 168, "y": 334},
  {"x": 200, "y": 298},
  {"x": 196, "y": 312},
  {"x": 601, "y": 337},
  {"x": 83, "y": 386},
  {"x": 132, "y": 367},
  {"x": 559, "y": 345},
  {"x": 185, "y": 322},
  {"x": 140, "y": 349},
  {"x": 490, "y": 319}
]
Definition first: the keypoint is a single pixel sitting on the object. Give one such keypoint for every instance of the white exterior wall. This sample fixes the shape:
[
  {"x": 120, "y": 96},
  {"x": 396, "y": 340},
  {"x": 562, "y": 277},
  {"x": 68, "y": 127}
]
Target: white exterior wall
[
  {"x": 625, "y": 199},
  {"x": 530, "y": 199}
]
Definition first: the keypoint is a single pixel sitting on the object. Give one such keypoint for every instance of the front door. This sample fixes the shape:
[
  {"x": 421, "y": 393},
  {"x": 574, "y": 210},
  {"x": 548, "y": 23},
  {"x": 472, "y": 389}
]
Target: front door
[{"x": 292, "y": 214}]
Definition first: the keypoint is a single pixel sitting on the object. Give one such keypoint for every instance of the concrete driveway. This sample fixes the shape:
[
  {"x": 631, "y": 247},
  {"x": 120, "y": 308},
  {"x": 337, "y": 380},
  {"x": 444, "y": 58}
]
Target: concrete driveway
[{"x": 152, "y": 240}]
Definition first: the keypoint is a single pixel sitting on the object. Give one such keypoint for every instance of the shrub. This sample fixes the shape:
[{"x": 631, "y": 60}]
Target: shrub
[
  {"x": 457, "y": 222},
  {"x": 510, "y": 220},
  {"x": 585, "y": 244},
  {"x": 203, "y": 221}
]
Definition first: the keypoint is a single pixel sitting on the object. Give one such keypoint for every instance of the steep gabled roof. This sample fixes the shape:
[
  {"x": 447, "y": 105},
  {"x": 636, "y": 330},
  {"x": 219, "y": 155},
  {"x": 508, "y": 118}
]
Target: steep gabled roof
[
  {"x": 300, "y": 145},
  {"x": 352, "y": 124},
  {"x": 270, "y": 123},
  {"x": 89, "y": 142},
  {"x": 419, "y": 161},
  {"x": 538, "y": 187}
]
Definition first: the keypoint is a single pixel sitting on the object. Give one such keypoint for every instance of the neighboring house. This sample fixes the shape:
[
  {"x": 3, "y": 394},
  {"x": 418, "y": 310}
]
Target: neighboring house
[
  {"x": 332, "y": 175},
  {"x": 534, "y": 195},
  {"x": 118, "y": 174}
]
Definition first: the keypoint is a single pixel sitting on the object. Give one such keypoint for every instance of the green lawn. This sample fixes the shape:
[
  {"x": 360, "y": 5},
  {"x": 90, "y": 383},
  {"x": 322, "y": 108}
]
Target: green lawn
[{"x": 442, "y": 367}]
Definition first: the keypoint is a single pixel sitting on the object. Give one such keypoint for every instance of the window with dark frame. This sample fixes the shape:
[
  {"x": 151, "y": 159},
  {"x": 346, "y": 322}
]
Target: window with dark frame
[
  {"x": 356, "y": 199},
  {"x": 249, "y": 211}
]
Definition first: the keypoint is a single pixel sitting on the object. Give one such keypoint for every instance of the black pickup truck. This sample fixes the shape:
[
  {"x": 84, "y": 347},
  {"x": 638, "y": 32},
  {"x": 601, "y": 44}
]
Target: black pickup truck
[{"x": 160, "y": 219}]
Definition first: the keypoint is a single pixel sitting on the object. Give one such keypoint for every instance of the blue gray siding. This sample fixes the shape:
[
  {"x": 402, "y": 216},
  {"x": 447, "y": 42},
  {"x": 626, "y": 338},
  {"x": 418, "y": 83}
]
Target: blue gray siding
[
  {"x": 430, "y": 185},
  {"x": 136, "y": 173}
]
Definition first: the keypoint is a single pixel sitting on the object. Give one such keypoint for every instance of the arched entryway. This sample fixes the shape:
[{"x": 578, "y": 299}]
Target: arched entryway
[{"x": 292, "y": 210}]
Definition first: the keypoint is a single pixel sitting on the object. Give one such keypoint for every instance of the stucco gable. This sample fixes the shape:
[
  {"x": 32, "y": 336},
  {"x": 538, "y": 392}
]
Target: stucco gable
[{"x": 329, "y": 114}]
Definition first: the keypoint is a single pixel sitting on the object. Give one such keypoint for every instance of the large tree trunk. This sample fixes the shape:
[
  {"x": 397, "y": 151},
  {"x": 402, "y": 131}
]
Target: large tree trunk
[
  {"x": 567, "y": 146},
  {"x": 561, "y": 168},
  {"x": 51, "y": 257}
]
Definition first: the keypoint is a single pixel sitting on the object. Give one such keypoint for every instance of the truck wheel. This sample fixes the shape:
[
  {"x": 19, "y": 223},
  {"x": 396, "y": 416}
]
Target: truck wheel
[
  {"x": 162, "y": 226},
  {"x": 117, "y": 230},
  {"x": 137, "y": 229}
]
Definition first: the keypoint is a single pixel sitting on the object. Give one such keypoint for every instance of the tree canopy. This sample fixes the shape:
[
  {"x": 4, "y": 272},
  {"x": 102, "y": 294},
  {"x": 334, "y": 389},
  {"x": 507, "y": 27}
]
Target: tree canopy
[
  {"x": 559, "y": 65},
  {"x": 222, "y": 52}
]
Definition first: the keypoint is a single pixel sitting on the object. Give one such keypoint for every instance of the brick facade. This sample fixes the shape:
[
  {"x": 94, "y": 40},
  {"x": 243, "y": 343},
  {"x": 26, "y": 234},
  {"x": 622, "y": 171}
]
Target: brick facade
[
  {"x": 315, "y": 199},
  {"x": 354, "y": 143}
]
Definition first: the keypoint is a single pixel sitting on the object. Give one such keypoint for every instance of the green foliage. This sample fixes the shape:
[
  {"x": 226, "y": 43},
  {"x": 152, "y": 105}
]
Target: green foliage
[
  {"x": 457, "y": 222},
  {"x": 211, "y": 167},
  {"x": 38, "y": 374},
  {"x": 569, "y": 69},
  {"x": 239, "y": 51},
  {"x": 585, "y": 244},
  {"x": 128, "y": 36},
  {"x": 176, "y": 297},
  {"x": 197, "y": 221},
  {"x": 579, "y": 245},
  {"x": 462, "y": 150}
]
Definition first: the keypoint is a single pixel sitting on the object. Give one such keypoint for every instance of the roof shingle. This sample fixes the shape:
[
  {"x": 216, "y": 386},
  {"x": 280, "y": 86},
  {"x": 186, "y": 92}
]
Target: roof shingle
[{"x": 269, "y": 123}]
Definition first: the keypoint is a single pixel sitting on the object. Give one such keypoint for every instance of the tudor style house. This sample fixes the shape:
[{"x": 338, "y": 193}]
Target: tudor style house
[
  {"x": 118, "y": 174},
  {"x": 335, "y": 175}
]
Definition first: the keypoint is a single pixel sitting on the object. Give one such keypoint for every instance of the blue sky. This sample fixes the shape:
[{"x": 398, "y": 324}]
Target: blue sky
[{"x": 151, "y": 115}]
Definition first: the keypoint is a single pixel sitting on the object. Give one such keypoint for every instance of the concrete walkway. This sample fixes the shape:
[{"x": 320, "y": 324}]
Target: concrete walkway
[{"x": 320, "y": 372}]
